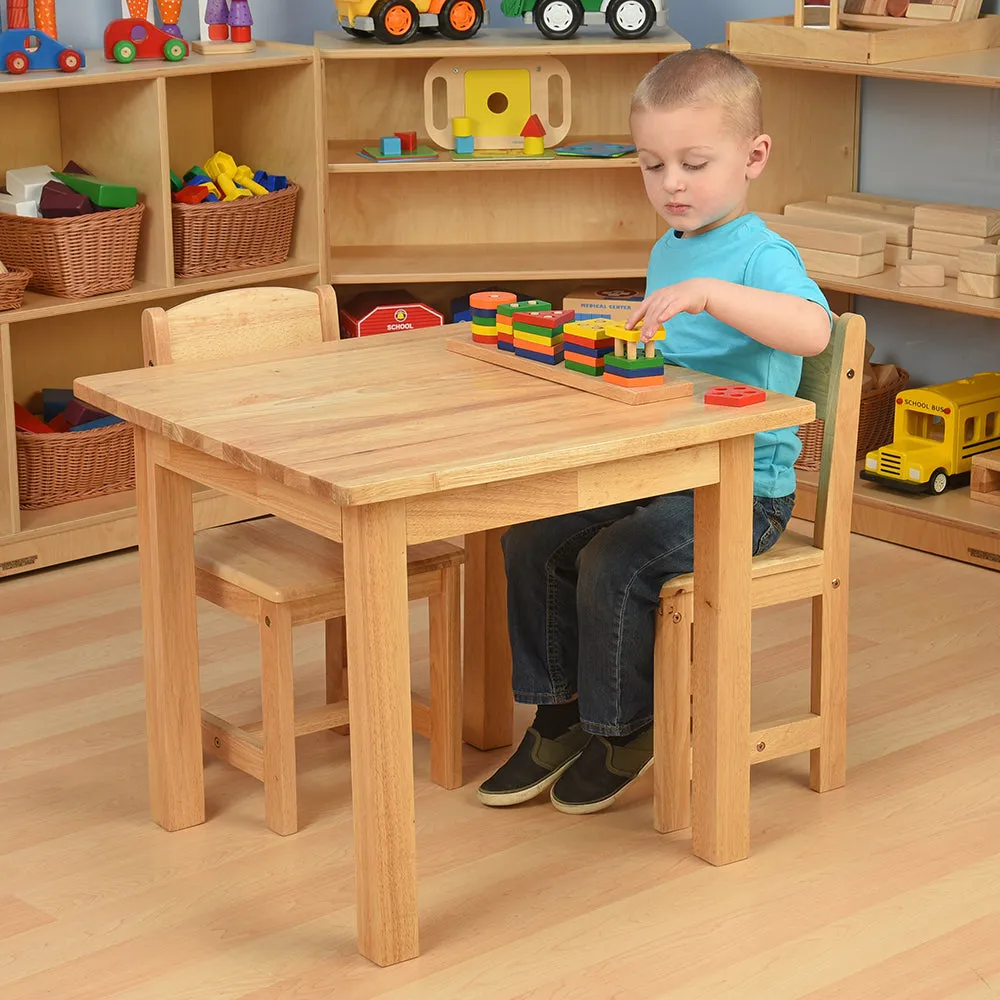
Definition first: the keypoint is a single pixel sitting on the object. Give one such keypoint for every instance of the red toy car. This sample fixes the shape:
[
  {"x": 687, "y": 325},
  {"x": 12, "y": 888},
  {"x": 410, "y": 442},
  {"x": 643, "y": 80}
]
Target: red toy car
[{"x": 133, "y": 38}]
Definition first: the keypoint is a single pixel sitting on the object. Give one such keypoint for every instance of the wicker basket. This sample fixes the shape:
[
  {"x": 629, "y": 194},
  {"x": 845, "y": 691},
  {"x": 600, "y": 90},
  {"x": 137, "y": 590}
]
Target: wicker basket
[
  {"x": 77, "y": 465},
  {"x": 12, "y": 286},
  {"x": 874, "y": 423},
  {"x": 75, "y": 257},
  {"x": 215, "y": 237}
]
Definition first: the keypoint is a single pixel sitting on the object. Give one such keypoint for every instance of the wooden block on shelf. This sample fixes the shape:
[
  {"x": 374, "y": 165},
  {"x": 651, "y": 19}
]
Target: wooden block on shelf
[
  {"x": 902, "y": 207},
  {"x": 921, "y": 276},
  {"x": 844, "y": 264},
  {"x": 836, "y": 235},
  {"x": 983, "y": 258},
  {"x": 970, "y": 220},
  {"x": 985, "y": 482},
  {"x": 947, "y": 261},
  {"x": 939, "y": 242},
  {"x": 897, "y": 230},
  {"x": 986, "y": 286},
  {"x": 896, "y": 254}
]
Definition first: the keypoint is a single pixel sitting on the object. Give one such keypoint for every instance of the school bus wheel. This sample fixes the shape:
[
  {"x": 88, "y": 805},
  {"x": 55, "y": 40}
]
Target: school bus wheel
[
  {"x": 460, "y": 18},
  {"x": 938, "y": 482},
  {"x": 395, "y": 21}
]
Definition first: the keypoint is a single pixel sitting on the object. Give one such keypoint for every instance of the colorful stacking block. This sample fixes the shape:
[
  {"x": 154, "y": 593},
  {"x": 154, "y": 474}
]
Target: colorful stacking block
[
  {"x": 626, "y": 366},
  {"x": 59, "y": 201},
  {"x": 538, "y": 334},
  {"x": 505, "y": 319},
  {"x": 465, "y": 144},
  {"x": 484, "y": 306},
  {"x": 585, "y": 343},
  {"x": 408, "y": 140}
]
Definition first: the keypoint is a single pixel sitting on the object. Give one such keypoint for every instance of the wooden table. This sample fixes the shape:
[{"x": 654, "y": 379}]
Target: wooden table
[{"x": 392, "y": 440}]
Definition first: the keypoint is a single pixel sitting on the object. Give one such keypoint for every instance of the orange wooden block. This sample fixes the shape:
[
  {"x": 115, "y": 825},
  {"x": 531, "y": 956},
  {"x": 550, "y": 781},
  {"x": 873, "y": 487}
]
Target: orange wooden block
[{"x": 633, "y": 383}]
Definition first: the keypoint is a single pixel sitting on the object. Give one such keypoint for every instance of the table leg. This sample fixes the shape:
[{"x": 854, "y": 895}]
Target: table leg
[
  {"x": 720, "y": 808},
  {"x": 170, "y": 639},
  {"x": 489, "y": 700},
  {"x": 378, "y": 664}
]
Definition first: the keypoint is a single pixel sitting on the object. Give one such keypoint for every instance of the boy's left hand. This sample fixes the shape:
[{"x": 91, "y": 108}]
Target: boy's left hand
[{"x": 687, "y": 296}]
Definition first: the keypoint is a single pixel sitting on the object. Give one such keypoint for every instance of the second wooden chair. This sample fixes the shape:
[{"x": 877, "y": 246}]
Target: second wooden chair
[{"x": 279, "y": 575}]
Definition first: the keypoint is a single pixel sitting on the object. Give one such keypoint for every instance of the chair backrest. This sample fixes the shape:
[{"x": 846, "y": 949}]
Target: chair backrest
[
  {"x": 832, "y": 380},
  {"x": 239, "y": 324}
]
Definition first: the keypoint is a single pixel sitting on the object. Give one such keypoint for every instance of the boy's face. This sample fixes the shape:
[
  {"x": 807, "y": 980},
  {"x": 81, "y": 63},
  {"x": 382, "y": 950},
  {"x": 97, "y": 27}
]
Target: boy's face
[{"x": 696, "y": 169}]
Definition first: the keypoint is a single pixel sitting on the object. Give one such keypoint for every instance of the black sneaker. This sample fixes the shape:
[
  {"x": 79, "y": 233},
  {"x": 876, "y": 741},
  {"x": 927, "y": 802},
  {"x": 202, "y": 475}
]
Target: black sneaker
[
  {"x": 532, "y": 767},
  {"x": 602, "y": 772}
]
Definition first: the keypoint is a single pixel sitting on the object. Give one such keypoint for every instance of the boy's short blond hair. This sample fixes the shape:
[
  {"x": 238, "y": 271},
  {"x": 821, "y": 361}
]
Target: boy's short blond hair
[{"x": 700, "y": 77}]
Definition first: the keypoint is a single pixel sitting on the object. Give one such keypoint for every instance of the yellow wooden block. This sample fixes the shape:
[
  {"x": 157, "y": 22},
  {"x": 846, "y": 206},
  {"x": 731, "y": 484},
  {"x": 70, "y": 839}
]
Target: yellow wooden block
[
  {"x": 534, "y": 338},
  {"x": 461, "y": 126},
  {"x": 591, "y": 329},
  {"x": 617, "y": 330}
]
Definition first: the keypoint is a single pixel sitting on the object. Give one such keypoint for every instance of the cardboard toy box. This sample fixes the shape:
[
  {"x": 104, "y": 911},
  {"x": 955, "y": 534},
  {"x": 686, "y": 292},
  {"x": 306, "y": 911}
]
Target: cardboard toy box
[
  {"x": 386, "y": 312},
  {"x": 603, "y": 301}
]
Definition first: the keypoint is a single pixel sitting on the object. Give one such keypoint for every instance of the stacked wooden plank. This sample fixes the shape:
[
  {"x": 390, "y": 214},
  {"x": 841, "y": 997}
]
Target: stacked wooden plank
[
  {"x": 893, "y": 216},
  {"x": 832, "y": 245},
  {"x": 941, "y": 232}
]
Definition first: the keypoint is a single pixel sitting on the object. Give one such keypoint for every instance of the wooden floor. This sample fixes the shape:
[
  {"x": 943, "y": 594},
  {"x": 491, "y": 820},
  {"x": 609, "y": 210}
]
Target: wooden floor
[{"x": 889, "y": 888}]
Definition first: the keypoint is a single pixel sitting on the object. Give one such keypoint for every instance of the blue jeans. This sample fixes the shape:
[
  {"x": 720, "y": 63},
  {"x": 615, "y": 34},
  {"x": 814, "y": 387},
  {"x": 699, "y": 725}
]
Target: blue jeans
[{"x": 582, "y": 595}]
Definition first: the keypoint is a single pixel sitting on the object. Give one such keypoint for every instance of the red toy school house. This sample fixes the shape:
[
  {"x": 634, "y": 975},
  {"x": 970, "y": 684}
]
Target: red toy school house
[{"x": 386, "y": 312}]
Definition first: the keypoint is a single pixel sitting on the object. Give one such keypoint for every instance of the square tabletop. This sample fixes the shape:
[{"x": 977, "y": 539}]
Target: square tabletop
[{"x": 397, "y": 415}]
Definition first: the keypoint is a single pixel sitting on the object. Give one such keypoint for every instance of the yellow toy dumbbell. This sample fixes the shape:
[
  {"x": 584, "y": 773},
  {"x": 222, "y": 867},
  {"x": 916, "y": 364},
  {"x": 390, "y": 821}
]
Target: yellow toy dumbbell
[{"x": 244, "y": 177}]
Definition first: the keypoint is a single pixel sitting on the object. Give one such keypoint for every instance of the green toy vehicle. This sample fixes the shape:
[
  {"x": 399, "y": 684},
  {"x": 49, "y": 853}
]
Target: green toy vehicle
[{"x": 560, "y": 19}]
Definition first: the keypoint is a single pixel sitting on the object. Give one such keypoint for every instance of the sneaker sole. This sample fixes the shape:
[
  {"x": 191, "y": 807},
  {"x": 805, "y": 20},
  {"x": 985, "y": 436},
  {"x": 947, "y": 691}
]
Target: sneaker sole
[
  {"x": 582, "y": 808},
  {"x": 515, "y": 798}
]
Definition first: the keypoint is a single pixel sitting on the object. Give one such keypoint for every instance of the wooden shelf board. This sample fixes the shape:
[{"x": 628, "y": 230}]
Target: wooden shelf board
[
  {"x": 498, "y": 262},
  {"x": 951, "y": 525},
  {"x": 969, "y": 69},
  {"x": 99, "y": 71},
  {"x": 292, "y": 268},
  {"x": 500, "y": 42},
  {"x": 92, "y": 527},
  {"x": 39, "y": 306},
  {"x": 884, "y": 286},
  {"x": 343, "y": 159}
]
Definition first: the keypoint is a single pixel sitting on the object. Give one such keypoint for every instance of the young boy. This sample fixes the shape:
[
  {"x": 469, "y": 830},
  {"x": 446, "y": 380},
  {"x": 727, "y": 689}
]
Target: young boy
[{"x": 583, "y": 589}]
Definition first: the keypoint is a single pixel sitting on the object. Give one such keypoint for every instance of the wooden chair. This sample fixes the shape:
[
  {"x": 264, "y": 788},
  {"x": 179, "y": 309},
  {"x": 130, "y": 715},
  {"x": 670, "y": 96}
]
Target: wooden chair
[
  {"x": 279, "y": 575},
  {"x": 797, "y": 567}
]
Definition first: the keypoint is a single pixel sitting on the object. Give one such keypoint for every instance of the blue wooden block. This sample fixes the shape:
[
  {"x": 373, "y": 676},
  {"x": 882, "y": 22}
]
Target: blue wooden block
[
  {"x": 273, "y": 182},
  {"x": 390, "y": 145},
  {"x": 544, "y": 358},
  {"x": 54, "y": 401},
  {"x": 465, "y": 144},
  {"x": 107, "y": 421}
]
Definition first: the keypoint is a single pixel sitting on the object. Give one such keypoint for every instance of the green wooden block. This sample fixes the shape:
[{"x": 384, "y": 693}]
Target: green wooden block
[
  {"x": 104, "y": 194},
  {"x": 175, "y": 182},
  {"x": 585, "y": 369},
  {"x": 529, "y": 305},
  {"x": 638, "y": 363},
  {"x": 484, "y": 320},
  {"x": 542, "y": 331}
]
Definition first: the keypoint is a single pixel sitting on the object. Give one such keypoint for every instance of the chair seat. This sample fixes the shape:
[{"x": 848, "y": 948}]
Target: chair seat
[
  {"x": 281, "y": 562},
  {"x": 793, "y": 551}
]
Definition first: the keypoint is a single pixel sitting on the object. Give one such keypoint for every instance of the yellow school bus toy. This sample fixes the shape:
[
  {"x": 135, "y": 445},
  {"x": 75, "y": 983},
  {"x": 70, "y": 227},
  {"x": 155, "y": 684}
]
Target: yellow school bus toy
[{"x": 936, "y": 432}]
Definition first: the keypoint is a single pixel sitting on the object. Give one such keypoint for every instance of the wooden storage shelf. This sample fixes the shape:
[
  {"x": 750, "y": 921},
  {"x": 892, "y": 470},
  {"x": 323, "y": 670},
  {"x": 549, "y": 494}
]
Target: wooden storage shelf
[
  {"x": 133, "y": 124},
  {"x": 884, "y": 286},
  {"x": 343, "y": 159},
  {"x": 808, "y": 163},
  {"x": 951, "y": 525},
  {"x": 552, "y": 222},
  {"x": 488, "y": 262}
]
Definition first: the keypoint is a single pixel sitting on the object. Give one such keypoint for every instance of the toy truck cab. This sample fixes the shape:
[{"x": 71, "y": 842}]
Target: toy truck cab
[
  {"x": 936, "y": 432},
  {"x": 559, "y": 19},
  {"x": 397, "y": 21}
]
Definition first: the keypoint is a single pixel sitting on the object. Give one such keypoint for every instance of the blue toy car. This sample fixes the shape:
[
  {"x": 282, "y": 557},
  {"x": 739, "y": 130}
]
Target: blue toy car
[{"x": 22, "y": 49}]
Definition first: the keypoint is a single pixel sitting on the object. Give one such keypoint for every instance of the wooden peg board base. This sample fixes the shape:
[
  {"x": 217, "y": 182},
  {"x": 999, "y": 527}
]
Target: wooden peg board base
[
  {"x": 672, "y": 388},
  {"x": 985, "y": 485},
  {"x": 223, "y": 48}
]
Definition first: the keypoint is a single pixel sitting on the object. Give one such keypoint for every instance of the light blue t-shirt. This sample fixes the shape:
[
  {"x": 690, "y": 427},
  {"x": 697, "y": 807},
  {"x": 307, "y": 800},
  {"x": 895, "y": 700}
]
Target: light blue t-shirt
[{"x": 745, "y": 252}]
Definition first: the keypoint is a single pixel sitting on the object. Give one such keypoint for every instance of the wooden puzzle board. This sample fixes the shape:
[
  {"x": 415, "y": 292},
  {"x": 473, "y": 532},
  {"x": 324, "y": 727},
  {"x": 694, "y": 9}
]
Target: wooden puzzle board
[{"x": 672, "y": 388}]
